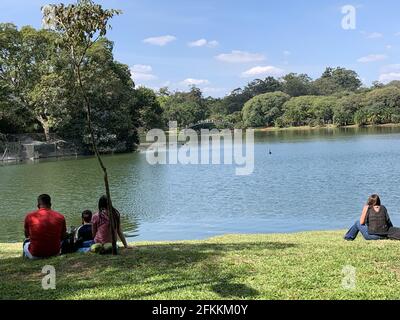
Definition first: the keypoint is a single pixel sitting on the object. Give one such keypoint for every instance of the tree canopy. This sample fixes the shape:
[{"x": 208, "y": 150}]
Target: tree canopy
[{"x": 39, "y": 94}]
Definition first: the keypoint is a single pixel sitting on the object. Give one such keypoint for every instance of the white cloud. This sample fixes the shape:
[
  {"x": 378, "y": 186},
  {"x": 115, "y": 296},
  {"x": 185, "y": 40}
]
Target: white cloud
[
  {"x": 203, "y": 43},
  {"x": 263, "y": 70},
  {"x": 194, "y": 82},
  {"x": 237, "y": 56},
  {"x": 141, "y": 68},
  {"x": 389, "y": 73},
  {"x": 389, "y": 46},
  {"x": 373, "y": 35},
  {"x": 198, "y": 43},
  {"x": 390, "y": 68},
  {"x": 213, "y": 43},
  {"x": 388, "y": 77},
  {"x": 160, "y": 41},
  {"x": 286, "y": 53},
  {"x": 144, "y": 77},
  {"x": 142, "y": 73},
  {"x": 397, "y": 34},
  {"x": 372, "y": 58}
]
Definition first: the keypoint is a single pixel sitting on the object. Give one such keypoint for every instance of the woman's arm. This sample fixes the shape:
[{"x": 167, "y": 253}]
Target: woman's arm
[
  {"x": 364, "y": 215},
  {"x": 122, "y": 237}
]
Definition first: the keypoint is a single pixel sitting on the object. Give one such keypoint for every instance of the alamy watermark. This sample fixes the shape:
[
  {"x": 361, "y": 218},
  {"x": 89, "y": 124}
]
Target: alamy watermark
[
  {"x": 207, "y": 147},
  {"x": 349, "y": 21},
  {"x": 349, "y": 280},
  {"x": 49, "y": 280}
]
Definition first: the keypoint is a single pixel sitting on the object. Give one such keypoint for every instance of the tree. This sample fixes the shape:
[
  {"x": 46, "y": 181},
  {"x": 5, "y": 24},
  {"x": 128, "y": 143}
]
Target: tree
[
  {"x": 322, "y": 110},
  {"x": 383, "y": 105},
  {"x": 111, "y": 91},
  {"x": 394, "y": 83},
  {"x": 361, "y": 117},
  {"x": 377, "y": 85},
  {"x": 346, "y": 108},
  {"x": 237, "y": 98},
  {"x": 296, "y": 85},
  {"x": 49, "y": 98},
  {"x": 264, "y": 109},
  {"x": 257, "y": 87},
  {"x": 80, "y": 26},
  {"x": 12, "y": 119},
  {"x": 184, "y": 113},
  {"x": 185, "y": 107},
  {"x": 151, "y": 113},
  {"x": 335, "y": 80},
  {"x": 28, "y": 62},
  {"x": 308, "y": 110}
]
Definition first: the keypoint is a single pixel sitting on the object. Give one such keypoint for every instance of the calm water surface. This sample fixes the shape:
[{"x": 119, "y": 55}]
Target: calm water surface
[{"x": 314, "y": 180}]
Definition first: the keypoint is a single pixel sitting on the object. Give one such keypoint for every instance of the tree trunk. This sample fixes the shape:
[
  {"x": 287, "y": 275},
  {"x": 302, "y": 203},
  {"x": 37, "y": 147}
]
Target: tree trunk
[
  {"x": 46, "y": 133},
  {"x": 45, "y": 126},
  {"x": 99, "y": 159}
]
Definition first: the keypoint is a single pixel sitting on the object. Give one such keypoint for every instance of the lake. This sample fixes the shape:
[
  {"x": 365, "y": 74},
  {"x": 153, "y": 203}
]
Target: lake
[{"x": 313, "y": 180}]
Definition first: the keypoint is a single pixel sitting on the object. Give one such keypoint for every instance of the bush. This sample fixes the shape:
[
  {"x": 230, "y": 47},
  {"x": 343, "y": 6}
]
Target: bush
[{"x": 264, "y": 109}]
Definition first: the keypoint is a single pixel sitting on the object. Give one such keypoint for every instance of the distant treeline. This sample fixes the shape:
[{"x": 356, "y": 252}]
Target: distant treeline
[
  {"x": 38, "y": 94},
  {"x": 337, "y": 97}
]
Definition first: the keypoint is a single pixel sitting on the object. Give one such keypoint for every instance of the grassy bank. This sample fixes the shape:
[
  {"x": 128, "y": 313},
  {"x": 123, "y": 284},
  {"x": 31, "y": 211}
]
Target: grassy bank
[{"x": 287, "y": 266}]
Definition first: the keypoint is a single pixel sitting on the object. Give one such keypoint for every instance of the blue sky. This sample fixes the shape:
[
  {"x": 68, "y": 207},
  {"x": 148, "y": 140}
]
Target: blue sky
[{"x": 220, "y": 45}]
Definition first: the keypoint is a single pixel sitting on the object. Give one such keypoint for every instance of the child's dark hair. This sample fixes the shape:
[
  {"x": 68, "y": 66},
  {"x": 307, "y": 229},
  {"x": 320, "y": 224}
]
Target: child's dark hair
[
  {"x": 103, "y": 205},
  {"x": 87, "y": 216}
]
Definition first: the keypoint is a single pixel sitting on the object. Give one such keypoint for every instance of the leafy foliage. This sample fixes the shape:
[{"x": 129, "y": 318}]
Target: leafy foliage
[{"x": 264, "y": 109}]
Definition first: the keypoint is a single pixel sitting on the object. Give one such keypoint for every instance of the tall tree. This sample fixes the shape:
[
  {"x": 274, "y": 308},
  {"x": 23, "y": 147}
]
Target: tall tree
[
  {"x": 335, "y": 80},
  {"x": 296, "y": 85},
  {"x": 80, "y": 26},
  {"x": 150, "y": 111},
  {"x": 29, "y": 60}
]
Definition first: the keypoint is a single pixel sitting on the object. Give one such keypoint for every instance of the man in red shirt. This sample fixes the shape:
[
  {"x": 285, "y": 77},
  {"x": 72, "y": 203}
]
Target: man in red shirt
[{"x": 45, "y": 229}]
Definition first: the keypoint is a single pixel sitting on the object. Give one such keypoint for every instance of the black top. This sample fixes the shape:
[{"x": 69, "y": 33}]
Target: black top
[
  {"x": 378, "y": 222},
  {"x": 84, "y": 233}
]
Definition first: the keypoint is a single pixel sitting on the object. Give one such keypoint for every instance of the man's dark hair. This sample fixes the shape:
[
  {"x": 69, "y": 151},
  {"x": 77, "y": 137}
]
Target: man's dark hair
[
  {"x": 44, "y": 200},
  {"x": 87, "y": 216}
]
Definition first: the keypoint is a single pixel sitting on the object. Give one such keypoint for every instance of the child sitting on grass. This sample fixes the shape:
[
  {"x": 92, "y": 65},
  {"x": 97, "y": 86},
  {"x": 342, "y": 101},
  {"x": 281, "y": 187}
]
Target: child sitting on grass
[
  {"x": 84, "y": 235},
  {"x": 102, "y": 230}
]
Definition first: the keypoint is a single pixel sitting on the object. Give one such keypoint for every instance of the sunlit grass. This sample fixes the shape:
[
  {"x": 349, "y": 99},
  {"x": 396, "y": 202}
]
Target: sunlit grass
[{"x": 287, "y": 266}]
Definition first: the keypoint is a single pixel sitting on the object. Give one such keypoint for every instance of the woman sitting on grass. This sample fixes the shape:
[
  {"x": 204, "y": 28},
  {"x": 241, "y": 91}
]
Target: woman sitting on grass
[
  {"x": 374, "y": 224},
  {"x": 101, "y": 228}
]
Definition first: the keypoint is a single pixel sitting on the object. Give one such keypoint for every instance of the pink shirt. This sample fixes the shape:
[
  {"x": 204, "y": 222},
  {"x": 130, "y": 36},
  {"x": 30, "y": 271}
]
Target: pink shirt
[{"x": 101, "y": 228}]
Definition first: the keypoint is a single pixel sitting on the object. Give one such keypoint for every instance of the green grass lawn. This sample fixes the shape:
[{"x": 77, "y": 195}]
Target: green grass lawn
[{"x": 287, "y": 266}]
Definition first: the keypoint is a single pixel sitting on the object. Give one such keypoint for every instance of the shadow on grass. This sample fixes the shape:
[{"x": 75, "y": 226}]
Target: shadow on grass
[{"x": 163, "y": 270}]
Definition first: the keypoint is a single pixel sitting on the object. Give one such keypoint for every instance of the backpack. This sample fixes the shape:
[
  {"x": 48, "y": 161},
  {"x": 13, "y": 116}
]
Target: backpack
[
  {"x": 394, "y": 233},
  {"x": 68, "y": 244}
]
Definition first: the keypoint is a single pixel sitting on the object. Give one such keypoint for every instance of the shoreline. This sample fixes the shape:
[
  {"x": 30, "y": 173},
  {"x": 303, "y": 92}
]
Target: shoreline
[
  {"x": 142, "y": 146},
  {"x": 327, "y": 127}
]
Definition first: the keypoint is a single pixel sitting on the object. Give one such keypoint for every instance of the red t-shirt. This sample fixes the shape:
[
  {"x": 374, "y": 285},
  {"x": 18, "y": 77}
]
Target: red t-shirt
[{"x": 46, "y": 229}]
